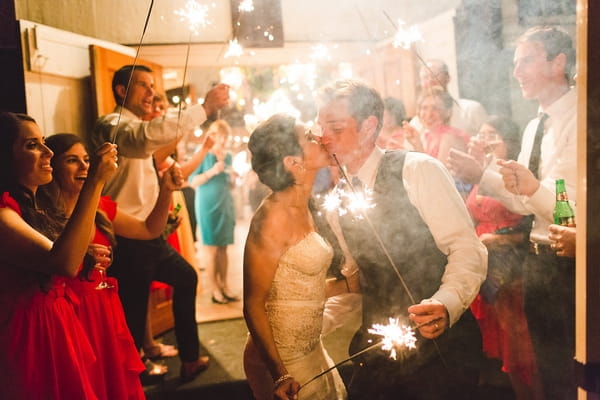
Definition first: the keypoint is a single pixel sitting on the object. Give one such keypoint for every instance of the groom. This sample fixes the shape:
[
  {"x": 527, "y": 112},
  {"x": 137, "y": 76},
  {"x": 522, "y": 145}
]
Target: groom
[{"x": 428, "y": 233}]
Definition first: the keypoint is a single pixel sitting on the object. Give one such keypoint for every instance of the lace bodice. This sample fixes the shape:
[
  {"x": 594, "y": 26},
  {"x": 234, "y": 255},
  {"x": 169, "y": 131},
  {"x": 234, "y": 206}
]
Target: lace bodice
[{"x": 297, "y": 296}]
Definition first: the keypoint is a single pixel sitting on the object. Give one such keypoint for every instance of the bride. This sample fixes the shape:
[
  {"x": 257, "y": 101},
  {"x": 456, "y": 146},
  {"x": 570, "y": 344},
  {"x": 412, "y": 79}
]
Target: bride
[{"x": 285, "y": 267}]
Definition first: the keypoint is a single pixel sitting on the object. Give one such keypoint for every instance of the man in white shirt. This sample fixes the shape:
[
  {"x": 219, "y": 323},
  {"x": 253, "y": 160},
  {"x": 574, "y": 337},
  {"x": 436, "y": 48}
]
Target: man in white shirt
[
  {"x": 438, "y": 266},
  {"x": 543, "y": 59},
  {"x": 467, "y": 115},
  {"x": 135, "y": 188}
]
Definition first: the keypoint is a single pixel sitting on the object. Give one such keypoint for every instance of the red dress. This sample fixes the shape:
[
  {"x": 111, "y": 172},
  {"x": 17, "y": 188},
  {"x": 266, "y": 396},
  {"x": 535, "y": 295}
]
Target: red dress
[
  {"x": 44, "y": 351},
  {"x": 101, "y": 314},
  {"x": 503, "y": 325}
]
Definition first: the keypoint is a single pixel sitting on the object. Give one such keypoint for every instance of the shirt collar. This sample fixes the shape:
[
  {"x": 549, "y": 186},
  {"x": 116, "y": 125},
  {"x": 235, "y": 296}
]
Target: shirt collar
[
  {"x": 368, "y": 171},
  {"x": 561, "y": 105}
]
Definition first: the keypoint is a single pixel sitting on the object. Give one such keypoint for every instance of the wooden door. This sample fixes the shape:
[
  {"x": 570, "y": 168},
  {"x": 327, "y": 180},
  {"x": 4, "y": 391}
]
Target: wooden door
[{"x": 104, "y": 63}]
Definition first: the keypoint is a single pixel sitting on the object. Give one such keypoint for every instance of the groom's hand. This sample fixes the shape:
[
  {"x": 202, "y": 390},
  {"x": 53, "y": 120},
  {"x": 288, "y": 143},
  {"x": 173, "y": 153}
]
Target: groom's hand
[{"x": 430, "y": 316}]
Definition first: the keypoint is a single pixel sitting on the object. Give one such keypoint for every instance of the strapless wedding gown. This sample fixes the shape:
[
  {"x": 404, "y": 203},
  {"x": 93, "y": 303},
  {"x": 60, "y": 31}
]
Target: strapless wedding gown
[{"x": 295, "y": 310}]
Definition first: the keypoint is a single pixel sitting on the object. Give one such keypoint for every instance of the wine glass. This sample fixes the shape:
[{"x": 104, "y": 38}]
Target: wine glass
[{"x": 101, "y": 267}]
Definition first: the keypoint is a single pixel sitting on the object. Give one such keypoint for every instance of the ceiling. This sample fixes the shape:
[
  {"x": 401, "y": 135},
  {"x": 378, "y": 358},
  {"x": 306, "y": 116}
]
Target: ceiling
[{"x": 122, "y": 21}]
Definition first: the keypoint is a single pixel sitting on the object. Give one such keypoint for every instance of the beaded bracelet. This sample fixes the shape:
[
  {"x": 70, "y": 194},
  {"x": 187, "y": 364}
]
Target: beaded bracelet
[{"x": 282, "y": 379}]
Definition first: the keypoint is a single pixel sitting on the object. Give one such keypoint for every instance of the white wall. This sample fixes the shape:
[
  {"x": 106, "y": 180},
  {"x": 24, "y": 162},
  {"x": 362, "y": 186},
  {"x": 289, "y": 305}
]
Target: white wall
[{"x": 57, "y": 77}]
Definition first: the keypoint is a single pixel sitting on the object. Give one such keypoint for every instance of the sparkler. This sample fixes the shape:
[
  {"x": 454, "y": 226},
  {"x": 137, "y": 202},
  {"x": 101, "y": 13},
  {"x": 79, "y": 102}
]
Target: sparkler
[
  {"x": 115, "y": 128},
  {"x": 197, "y": 16},
  {"x": 405, "y": 38},
  {"x": 395, "y": 337},
  {"x": 234, "y": 50},
  {"x": 348, "y": 202}
]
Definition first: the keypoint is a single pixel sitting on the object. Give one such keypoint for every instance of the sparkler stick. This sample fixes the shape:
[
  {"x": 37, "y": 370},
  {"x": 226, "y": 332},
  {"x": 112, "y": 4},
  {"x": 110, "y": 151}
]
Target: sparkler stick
[
  {"x": 365, "y": 350},
  {"x": 115, "y": 129},
  {"x": 422, "y": 60},
  {"x": 376, "y": 235},
  {"x": 196, "y": 14}
]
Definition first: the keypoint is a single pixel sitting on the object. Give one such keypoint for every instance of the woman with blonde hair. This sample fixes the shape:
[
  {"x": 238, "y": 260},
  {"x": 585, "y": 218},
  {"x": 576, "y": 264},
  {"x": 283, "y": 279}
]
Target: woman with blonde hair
[{"x": 214, "y": 209}]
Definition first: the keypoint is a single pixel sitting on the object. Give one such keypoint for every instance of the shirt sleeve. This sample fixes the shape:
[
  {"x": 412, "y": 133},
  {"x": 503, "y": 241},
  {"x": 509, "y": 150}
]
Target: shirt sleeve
[
  {"x": 139, "y": 139},
  {"x": 431, "y": 190}
]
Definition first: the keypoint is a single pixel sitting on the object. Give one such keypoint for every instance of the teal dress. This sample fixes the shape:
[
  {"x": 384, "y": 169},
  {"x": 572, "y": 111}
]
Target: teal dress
[{"x": 213, "y": 204}]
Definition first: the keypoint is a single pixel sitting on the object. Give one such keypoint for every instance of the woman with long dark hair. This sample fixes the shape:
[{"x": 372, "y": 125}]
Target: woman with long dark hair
[{"x": 45, "y": 352}]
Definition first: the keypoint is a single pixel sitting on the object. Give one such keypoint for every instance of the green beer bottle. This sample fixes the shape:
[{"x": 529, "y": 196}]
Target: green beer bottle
[{"x": 563, "y": 212}]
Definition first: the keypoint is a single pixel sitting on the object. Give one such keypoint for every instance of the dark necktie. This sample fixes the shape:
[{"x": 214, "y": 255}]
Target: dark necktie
[{"x": 536, "y": 150}]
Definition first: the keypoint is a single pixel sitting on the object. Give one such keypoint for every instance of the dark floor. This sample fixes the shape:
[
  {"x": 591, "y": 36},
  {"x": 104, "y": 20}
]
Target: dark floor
[{"x": 224, "y": 341}]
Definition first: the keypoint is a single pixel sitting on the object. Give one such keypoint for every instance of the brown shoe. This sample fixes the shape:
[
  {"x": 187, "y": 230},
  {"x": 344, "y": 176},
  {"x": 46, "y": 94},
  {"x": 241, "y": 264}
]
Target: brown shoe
[{"x": 189, "y": 370}]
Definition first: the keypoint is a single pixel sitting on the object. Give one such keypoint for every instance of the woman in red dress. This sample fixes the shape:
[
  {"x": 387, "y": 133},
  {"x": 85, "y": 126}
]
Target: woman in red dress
[
  {"x": 45, "y": 352},
  {"x": 100, "y": 310}
]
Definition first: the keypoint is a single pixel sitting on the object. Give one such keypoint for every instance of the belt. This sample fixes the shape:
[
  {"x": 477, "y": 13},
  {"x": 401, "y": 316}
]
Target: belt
[{"x": 540, "y": 248}]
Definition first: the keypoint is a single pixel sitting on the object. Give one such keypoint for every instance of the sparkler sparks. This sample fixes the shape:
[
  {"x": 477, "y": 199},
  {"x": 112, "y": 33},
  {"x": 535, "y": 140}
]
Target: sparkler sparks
[
  {"x": 354, "y": 202},
  {"x": 234, "y": 50},
  {"x": 405, "y": 37},
  {"x": 246, "y": 6},
  {"x": 395, "y": 336},
  {"x": 196, "y": 15}
]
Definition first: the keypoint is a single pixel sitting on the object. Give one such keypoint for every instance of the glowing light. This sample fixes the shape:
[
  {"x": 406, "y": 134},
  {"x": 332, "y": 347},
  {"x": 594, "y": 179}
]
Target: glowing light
[
  {"x": 234, "y": 49},
  {"x": 246, "y": 6},
  {"x": 195, "y": 14},
  {"x": 344, "y": 201},
  {"x": 395, "y": 336},
  {"x": 320, "y": 52},
  {"x": 240, "y": 163},
  {"x": 299, "y": 74},
  {"x": 198, "y": 132},
  {"x": 232, "y": 76},
  {"x": 277, "y": 103},
  {"x": 405, "y": 37},
  {"x": 175, "y": 99}
]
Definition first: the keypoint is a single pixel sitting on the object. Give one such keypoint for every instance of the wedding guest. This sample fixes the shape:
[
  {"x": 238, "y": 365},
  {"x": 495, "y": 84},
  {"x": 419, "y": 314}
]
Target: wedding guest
[
  {"x": 543, "y": 61},
  {"x": 45, "y": 351},
  {"x": 135, "y": 188},
  {"x": 392, "y": 132},
  {"x": 100, "y": 311},
  {"x": 213, "y": 180},
  {"x": 285, "y": 267},
  {"x": 436, "y": 137},
  {"x": 467, "y": 115},
  {"x": 442, "y": 265},
  {"x": 498, "y": 307}
]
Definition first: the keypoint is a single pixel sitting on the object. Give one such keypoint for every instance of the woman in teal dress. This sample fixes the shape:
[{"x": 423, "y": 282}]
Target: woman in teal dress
[{"x": 214, "y": 209}]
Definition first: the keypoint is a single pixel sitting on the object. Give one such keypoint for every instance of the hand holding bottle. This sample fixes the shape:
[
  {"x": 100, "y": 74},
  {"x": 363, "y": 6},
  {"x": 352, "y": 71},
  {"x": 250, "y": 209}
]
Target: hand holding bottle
[{"x": 563, "y": 240}]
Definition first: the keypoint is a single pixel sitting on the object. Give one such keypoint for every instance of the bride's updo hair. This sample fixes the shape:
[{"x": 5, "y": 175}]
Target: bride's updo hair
[{"x": 270, "y": 143}]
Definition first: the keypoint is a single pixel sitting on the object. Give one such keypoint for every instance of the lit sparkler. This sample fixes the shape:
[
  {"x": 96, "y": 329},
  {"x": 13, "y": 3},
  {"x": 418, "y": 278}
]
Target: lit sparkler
[
  {"x": 395, "y": 337},
  {"x": 246, "y": 6},
  {"x": 354, "y": 202},
  {"x": 234, "y": 50},
  {"x": 196, "y": 15},
  {"x": 405, "y": 37}
]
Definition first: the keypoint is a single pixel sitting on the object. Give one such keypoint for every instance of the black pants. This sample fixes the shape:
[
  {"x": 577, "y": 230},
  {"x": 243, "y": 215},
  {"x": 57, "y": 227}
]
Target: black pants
[
  {"x": 549, "y": 284},
  {"x": 139, "y": 262}
]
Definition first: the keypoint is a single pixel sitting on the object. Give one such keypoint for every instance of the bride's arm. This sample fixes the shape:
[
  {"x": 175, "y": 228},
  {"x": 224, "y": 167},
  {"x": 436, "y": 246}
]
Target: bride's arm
[{"x": 264, "y": 246}]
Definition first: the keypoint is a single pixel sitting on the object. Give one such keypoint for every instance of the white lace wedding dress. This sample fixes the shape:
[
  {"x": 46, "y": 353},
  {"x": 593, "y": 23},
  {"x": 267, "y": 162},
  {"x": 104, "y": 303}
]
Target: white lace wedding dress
[{"x": 295, "y": 310}]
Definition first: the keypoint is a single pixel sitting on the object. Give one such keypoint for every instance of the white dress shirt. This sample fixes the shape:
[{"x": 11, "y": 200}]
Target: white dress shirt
[
  {"x": 558, "y": 161},
  {"x": 135, "y": 185},
  {"x": 430, "y": 188}
]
